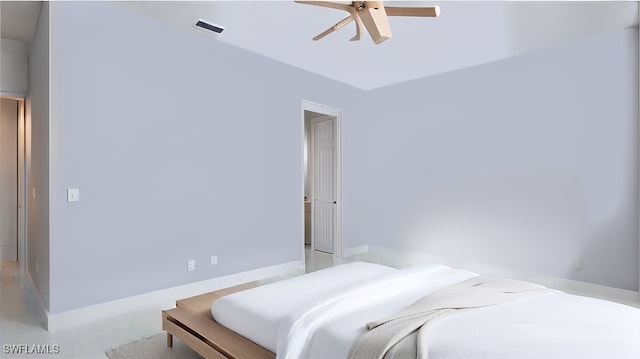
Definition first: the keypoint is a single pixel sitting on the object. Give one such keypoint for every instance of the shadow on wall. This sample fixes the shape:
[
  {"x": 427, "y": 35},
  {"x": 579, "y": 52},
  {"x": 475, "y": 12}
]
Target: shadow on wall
[
  {"x": 600, "y": 261},
  {"x": 527, "y": 220}
]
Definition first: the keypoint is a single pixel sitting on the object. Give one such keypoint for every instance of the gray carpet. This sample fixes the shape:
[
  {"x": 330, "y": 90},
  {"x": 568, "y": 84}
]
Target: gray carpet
[{"x": 154, "y": 347}]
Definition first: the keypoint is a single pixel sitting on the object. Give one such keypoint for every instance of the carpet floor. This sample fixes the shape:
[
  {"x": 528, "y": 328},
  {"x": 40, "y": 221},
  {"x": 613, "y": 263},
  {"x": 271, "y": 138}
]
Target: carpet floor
[{"x": 154, "y": 347}]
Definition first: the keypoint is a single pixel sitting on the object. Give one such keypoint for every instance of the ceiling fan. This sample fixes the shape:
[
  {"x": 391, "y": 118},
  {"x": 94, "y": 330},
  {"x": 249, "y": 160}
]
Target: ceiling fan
[{"x": 372, "y": 15}]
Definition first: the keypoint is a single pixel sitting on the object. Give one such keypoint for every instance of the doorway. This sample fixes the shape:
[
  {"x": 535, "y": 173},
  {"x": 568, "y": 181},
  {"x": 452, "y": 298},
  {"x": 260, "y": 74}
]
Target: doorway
[
  {"x": 322, "y": 177},
  {"x": 12, "y": 212}
]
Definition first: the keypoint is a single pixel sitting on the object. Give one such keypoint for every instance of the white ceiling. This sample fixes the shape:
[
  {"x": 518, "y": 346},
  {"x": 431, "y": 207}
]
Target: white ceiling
[{"x": 465, "y": 34}]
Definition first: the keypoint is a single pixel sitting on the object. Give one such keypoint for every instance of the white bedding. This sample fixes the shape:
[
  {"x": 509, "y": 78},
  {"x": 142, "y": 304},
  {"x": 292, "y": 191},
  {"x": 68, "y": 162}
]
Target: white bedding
[
  {"x": 256, "y": 313},
  {"x": 550, "y": 326},
  {"x": 295, "y": 335},
  {"x": 554, "y": 325}
]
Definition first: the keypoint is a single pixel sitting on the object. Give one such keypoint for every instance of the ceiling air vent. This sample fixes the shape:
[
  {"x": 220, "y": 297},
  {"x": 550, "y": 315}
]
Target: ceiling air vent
[{"x": 208, "y": 27}]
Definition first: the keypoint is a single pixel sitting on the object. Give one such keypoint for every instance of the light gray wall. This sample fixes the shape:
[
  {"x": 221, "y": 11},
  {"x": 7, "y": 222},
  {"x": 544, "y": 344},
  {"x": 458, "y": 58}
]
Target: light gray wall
[
  {"x": 37, "y": 156},
  {"x": 185, "y": 147},
  {"x": 529, "y": 163},
  {"x": 182, "y": 147}
]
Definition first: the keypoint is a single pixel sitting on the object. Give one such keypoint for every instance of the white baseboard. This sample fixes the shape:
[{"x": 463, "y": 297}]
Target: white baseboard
[
  {"x": 354, "y": 251},
  {"x": 154, "y": 302},
  {"x": 398, "y": 258}
]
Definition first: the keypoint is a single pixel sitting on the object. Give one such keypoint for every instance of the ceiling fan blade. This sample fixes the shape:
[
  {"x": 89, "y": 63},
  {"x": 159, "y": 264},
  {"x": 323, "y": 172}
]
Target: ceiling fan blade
[
  {"x": 432, "y": 11},
  {"x": 339, "y": 25},
  {"x": 328, "y": 4},
  {"x": 374, "y": 18},
  {"x": 359, "y": 26},
  {"x": 348, "y": 8}
]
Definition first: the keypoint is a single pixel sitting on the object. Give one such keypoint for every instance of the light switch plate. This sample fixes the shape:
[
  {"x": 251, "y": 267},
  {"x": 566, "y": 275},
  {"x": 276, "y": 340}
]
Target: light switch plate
[{"x": 73, "y": 194}]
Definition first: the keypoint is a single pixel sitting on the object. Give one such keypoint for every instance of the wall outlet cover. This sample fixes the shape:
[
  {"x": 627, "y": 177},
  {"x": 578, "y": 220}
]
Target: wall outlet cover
[{"x": 73, "y": 194}]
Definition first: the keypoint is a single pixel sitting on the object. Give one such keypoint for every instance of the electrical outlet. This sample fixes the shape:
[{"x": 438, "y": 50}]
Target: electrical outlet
[
  {"x": 213, "y": 260},
  {"x": 73, "y": 194},
  {"x": 191, "y": 265},
  {"x": 577, "y": 264},
  {"x": 36, "y": 266}
]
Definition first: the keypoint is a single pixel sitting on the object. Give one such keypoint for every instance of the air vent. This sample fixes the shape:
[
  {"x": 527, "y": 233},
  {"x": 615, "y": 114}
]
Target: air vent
[{"x": 208, "y": 27}]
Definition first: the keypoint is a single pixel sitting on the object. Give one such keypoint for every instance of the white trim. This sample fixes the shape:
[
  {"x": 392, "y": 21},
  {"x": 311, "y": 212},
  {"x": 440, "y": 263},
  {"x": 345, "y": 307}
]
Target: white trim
[
  {"x": 337, "y": 113},
  {"x": 399, "y": 258},
  {"x": 154, "y": 302},
  {"x": 302, "y": 181},
  {"x": 12, "y": 95},
  {"x": 355, "y": 251},
  {"x": 22, "y": 186},
  {"x": 21, "y": 173},
  {"x": 638, "y": 150},
  {"x": 338, "y": 248}
]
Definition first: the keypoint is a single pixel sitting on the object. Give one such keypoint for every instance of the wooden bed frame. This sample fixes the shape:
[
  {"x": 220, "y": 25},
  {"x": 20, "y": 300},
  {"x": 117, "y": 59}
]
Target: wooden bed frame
[{"x": 192, "y": 323}]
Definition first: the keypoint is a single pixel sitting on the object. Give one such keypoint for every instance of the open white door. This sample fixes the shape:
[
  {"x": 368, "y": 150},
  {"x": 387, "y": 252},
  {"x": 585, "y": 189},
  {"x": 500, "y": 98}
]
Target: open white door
[
  {"x": 324, "y": 183},
  {"x": 9, "y": 180}
]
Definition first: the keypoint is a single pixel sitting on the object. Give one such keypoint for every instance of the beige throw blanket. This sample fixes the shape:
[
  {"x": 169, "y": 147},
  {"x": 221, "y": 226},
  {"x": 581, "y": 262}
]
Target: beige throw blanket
[{"x": 399, "y": 335}]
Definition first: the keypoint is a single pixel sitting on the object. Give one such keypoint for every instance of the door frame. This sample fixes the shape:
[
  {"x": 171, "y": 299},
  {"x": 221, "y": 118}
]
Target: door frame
[
  {"x": 22, "y": 177},
  {"x": 337, "y": 113}
]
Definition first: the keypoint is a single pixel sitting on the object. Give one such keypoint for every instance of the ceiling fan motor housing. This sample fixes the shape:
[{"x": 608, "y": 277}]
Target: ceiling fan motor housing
[{"x": 374, "y": 18}]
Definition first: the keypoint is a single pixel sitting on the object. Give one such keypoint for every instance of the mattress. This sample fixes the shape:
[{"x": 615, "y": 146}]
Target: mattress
[
  {"x": 552, "y": 325},
  {"x": 334, "y": 338},
  {"x": 256, "y": 313}
]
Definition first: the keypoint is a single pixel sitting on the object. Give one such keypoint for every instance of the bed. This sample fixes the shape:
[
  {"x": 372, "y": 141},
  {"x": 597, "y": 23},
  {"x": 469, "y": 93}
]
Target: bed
[{"x": 322, "y": 314}]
